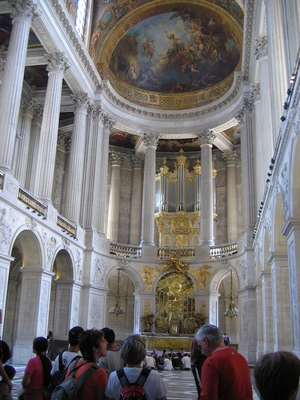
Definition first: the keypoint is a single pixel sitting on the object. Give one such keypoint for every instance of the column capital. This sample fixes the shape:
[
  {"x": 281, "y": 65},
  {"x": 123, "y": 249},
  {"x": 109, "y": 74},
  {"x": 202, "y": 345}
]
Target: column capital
[
  {"x": 116, "y": 158},
  {"x": 150, "y": 139},
  {"x": 137, "y": 161},
  {"x": 230, "y": 157},
  {"x": 24, "y": 9},
  {"x": 81, "y": 101},
  {"x": 107, "y": 121},
  {"x": 57, "y": 62},
  {"x": 261, "y": 47},
  {"x": 29, "y": 105},
  {"x": 206, "y": 137},
  {"x": 255, "y": 91}
]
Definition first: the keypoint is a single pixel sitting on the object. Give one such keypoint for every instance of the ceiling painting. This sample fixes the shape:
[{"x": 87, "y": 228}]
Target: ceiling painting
[
  {"x": 123, "y": 139},
  {"x": 186, "y": 52},
  {"x": 171, "y": 55}
]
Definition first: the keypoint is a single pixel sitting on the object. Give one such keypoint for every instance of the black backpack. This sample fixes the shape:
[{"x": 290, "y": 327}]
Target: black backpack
[
  {"x": 133, "y": 391},
  {"x": 58, "y": 377}
]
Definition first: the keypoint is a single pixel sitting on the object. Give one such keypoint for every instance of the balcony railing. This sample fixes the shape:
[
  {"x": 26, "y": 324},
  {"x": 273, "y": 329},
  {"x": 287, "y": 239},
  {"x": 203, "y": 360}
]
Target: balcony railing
[
  {"x": 125, "y": 250},
  {"x": 32, "y": 202},
  {"x": 223, "y": 250},
  {"x": 185, "y": 253},
  {"x": 66, "y": 226}
]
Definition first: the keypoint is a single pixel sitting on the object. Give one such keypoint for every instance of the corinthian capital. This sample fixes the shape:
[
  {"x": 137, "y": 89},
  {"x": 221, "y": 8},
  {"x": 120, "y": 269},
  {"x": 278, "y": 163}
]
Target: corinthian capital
[
  {"x": 206, "y": 137},
  {"x": 57, "y": 62},
  {"x": 230, "y": 157},
  {"x": 23, "y": 8},
  {"x": 81, "y": 101},
  {"x": 150, "y": 139},
  {"x": 261, "y": 47}
]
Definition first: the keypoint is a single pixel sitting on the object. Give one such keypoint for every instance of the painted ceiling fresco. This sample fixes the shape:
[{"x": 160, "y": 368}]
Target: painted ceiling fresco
[
  {"x": 183, "y": 50},
  {"x": 152, "y": 52},
  {"x": 129, "y": 141}
]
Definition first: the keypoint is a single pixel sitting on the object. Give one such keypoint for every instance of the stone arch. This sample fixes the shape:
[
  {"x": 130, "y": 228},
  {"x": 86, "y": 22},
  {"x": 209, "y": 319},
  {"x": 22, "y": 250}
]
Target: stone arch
[
  {"x": 129, "y": 284},
  {"x": 63, "y": 266},
  {"x": 27, "y": 253},
  {"x": 219, "y": 289},
  {"x": 61, "y": 309}
]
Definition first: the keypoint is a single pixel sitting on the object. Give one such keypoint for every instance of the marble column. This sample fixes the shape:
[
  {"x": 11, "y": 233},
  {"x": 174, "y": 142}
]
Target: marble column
[
  {"x": 28, "y": 108},
  {"x": 267, "y": 306},
  {"x": 279, "y": 79},
  {"x": 261, "y": 162},
  {"x": 136, "y": 200},
  {"x": 248, "y": 167},
  {"x": 266, "y": 130},
  {"x": 292, "y": 13},
  {"x": 71, "y": 206},
  {"x": 23, "y": 14},
  {"x": 93, "y": 171},
  {"x": 207, "y": 212},
  {"x": 63, "y": 144},
  {"x": 114, "y": 196},
  {"x": 57, "y": 66},
  {"x": 281, "y": 295},
  {"x": 150, "y": 142},
  {"x": 34, "y": 146},
  {"x": 232, "y": 209},
  {"x": 107, "y": 123}
]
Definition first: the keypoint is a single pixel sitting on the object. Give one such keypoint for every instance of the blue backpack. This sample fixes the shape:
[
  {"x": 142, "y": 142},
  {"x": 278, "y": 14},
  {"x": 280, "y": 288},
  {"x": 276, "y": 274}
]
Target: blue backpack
[{"x": 68, "y": 389}]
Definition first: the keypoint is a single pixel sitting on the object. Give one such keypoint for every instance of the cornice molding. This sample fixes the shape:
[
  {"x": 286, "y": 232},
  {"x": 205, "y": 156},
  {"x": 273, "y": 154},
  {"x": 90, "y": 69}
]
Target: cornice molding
[
  {"x": 248, "y": 29},
  {"x": 126, "y": 106}
]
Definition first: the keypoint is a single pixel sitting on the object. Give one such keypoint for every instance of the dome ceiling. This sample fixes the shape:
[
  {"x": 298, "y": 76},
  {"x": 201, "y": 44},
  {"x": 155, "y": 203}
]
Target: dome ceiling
[{"x": 168, "y": 54}]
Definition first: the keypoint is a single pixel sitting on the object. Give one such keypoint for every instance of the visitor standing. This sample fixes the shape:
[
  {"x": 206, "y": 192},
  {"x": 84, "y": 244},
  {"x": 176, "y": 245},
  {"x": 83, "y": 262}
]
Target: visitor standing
[{"x": 225, "y": 373}]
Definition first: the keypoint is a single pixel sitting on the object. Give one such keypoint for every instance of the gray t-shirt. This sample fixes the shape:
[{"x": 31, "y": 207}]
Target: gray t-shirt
[
  {"x": 67, "y": 357},
  {"x": 112, "y": 362}
]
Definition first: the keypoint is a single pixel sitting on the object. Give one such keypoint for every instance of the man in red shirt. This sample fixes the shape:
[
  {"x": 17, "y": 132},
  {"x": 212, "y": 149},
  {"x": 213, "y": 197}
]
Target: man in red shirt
[{"x": 225, "y": 373}]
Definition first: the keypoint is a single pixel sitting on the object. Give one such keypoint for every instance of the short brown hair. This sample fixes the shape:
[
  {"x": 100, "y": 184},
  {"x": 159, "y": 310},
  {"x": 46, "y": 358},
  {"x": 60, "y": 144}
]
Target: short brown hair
[
  {"x": 133, "y": 350},
  {"x": 277, "y": 375}
]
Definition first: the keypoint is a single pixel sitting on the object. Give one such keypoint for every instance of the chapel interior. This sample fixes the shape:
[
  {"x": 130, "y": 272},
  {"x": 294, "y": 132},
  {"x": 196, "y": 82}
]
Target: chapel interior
[{"x": 149, "y": 175}]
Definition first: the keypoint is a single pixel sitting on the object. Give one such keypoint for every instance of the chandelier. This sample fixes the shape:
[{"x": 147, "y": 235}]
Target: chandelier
[
  {"x": 231, "y": 311},
  {"x": 117, "y": 309}
]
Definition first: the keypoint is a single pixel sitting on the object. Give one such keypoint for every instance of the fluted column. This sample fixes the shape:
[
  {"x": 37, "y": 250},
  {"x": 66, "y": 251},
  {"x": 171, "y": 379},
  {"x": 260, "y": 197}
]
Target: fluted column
[
  {"x": 232, "y": 209},
  {"x": 268, "y": 337},
  {"x": 23, "y": 12},
  {"x": 261, "y": 161},
  {"x": 279, "y": 79},
  {"x": 281, "y": 301},
  {"x": 33, "y": 148},
  {"x": 114, "y": 196},
  {"x": 207, "y": 213},
  {"x": 71, "y": 208},
  {"x": 136, "y": 201},
  {"x": 93, "y": 173},
  {"x": 150, "y": 143},
  {"x": 23, "y": 153},
  {"x": 248, "y": 167},
  {"x": 269, "y": 135},
  {"x": 63, "y": 145},
  {"x": 57, "y": 65},
  {"x": 292, "y": 12},
  {"x": 107, "y": 123}
]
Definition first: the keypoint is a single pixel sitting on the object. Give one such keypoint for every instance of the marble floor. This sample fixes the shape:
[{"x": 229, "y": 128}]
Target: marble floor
[{"x": 180, "y": 384}]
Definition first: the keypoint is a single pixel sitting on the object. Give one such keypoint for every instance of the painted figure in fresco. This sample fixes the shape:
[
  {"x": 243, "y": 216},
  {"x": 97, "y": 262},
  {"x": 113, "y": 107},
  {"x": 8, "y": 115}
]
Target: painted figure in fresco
[{"x": 149, "y": 49}]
